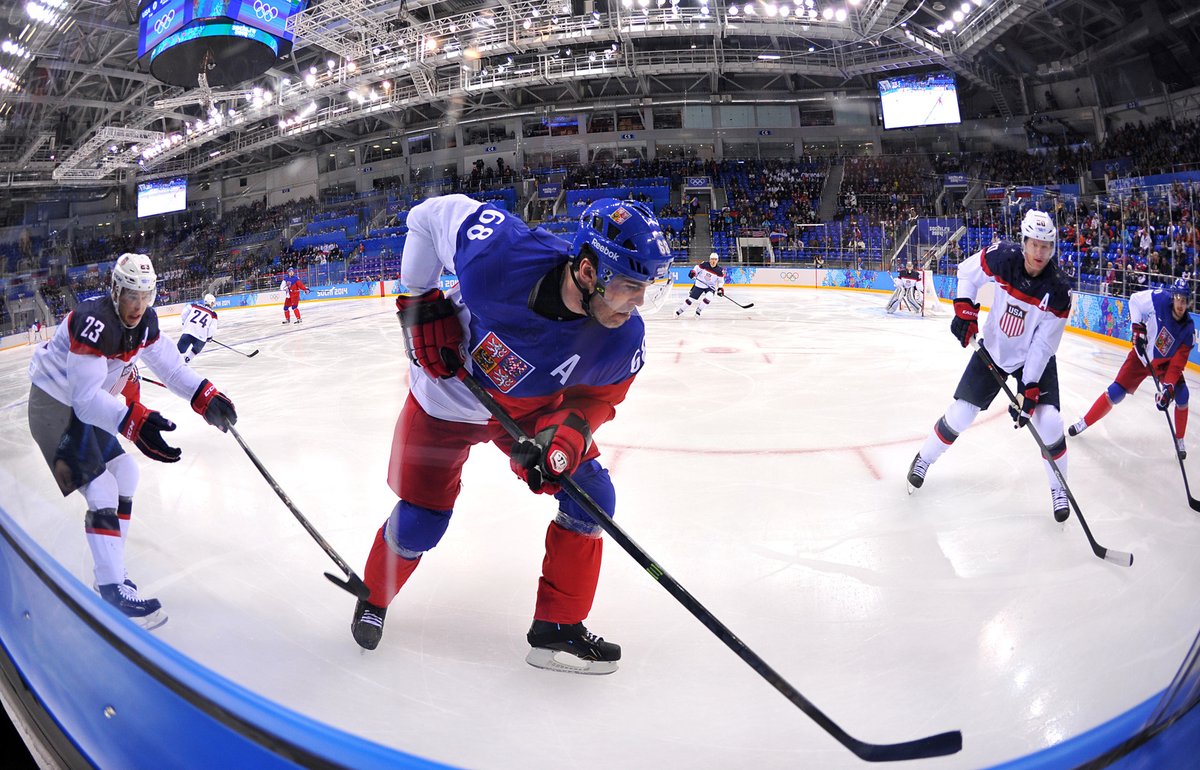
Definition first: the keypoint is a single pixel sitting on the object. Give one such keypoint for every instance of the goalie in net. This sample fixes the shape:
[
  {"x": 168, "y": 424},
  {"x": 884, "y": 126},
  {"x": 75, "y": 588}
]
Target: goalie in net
[{"x": 915, "y": 292}]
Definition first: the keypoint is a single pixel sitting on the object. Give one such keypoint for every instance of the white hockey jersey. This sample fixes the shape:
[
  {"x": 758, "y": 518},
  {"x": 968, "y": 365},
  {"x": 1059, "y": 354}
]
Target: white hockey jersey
[
  {"x": 1028, "y": 315},
  {"x": 92, "y": 353},
  {"x": 200, "y": 321},
  {"x": 708, "y": 277}
]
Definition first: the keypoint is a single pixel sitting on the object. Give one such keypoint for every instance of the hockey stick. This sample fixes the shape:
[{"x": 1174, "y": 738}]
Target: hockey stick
[
  {"x": 739, "y": 304},
  {"x": 353, "y": 583},
  {"x": 235, "y": 350},
  {"x": 932, "y": 746},
  {"x": 1193, "y": 502},
  {"x": 1108, "y": 554}
]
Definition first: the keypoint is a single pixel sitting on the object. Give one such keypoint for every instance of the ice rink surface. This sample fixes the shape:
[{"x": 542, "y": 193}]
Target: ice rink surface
[{"x": 760, "y": 459}]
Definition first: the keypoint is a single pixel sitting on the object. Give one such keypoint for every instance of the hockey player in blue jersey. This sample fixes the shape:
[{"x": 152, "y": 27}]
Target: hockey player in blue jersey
[
  {"x": 1022, "y": 332},
  {"x": 551, "y": 329},
  {"x": 1161, "y": 317},
  {"x": 75, "y": 416}
]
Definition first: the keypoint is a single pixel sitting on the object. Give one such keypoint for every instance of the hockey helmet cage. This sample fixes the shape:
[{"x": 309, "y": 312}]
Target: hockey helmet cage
[
  {"x": 626, "y": 238},
  {"x": 1039, "y": 226},
  {"x": 210, "y": 300}
]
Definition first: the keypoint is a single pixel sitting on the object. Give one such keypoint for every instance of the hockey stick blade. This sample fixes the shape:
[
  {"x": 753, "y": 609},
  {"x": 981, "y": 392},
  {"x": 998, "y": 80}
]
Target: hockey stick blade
[
  {"x": 932, "y": 746},
  {"x": 739, "y": 304},
  {"x": 353, "y": 584},
  {"x": 235, "y": 350}
]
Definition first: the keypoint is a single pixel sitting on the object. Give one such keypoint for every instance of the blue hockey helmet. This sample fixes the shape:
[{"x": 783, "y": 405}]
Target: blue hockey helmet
[
  {"x": 1181, "y": 288},
  {"x": 626, "y": 239}
]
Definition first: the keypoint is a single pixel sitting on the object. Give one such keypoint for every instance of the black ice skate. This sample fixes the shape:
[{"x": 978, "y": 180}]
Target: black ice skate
[
  {"x": 1077, "y": 428},
  {"x": 296, "y": 321},
  {"x": 147, "y": 613},
  {"x": 286, "y": 321},
  {"x": 1180, "y": 449},
  {"x": 916, "y": 473},
  {"x": 367, "y": 625},
  {"x": 570, "y": 648},
  {"x": 1062, "y": 506}
]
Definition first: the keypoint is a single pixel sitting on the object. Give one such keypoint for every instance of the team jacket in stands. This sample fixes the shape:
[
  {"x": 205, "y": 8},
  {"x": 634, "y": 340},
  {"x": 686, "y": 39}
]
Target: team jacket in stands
[
  {"x": 528, "y": 362},
  {"x": 92, "y": 355},
  {"x": 707, "y": 276},
  {"x": 1028, "y": 315},
  {"x": 1169, "y": 341},
  {"x": 199, "y": 320}
]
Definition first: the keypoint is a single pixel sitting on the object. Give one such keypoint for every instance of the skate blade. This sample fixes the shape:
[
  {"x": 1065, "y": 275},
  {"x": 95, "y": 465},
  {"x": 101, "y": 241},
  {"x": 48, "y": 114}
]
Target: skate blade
[
  {"x": 151, "y": 621},
  {"x": 553, "y": 660}
]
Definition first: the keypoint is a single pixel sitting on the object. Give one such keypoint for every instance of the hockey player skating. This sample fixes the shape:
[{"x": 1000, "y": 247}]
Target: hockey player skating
[
  {"x": 75, "y": 416},
  {"x": 907, "y": 281},
  {"x": 1022, "y": 333},
  {"x": 1163, "y": 335},
  {"x": 552, "y": 332},
  {"x": 37, "y": 332},
  {"x": 199, "y": 325},
  {"x": 709, "y": 279},
  {"x": 291, "y": 286}
]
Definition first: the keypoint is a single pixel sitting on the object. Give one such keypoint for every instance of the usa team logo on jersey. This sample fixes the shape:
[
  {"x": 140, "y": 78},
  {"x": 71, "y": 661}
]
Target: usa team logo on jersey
[
  {"x": 1164, "y": 341},
  {"x": 1012, "y": 322},
  {"x": 504, "y": 367}
]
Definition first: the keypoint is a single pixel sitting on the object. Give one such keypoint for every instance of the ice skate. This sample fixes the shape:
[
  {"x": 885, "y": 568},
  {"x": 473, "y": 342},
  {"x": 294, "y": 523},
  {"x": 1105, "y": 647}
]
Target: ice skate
[
  {"x": 1062, "y": 506},
  {"x": 286, "y": 321},
  {"x": 1077, "y": 428},
  {"x": 147, "y": 613},
  {"x": 571, "y": 649},
  {"x": 367, "y": 625},
  {"x": 296, "y": 321},
  {"x": 1180, "y": 449},
  {"x": 916, "y": 473}
]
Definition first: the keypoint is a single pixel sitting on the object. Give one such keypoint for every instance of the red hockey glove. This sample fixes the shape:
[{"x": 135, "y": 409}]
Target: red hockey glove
[
  {"x": 559, "y": 442},
  {"x": 1139, "y": 340},
  {"x": 1022, "y": 416},
  {"x": 144, "y": 427},
  {"x": 965, "y": 323},
  {"x": 1165, "y": 396},
  {"x": 214, "y": 406},
  {"x": 692, "y": 273},
  {"x": 432, "y": 333},
  {"x": 721, "y": 292}
]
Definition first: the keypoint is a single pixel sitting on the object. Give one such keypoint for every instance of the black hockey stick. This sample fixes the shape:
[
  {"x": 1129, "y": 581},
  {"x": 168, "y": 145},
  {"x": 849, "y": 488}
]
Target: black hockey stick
[
  {"x": 235, "y": 350},
  {"x": 932, "y": 746},
  {"x": 353, "y": 583},
  {"x": 739, "y": 304},
  {"x": 1193, "y": 502},
  {"x": 1108, "y": 554}
]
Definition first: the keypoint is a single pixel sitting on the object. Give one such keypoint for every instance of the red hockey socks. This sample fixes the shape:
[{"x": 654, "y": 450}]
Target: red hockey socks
[
  {"x": 386, "y": 572},
  {"x": 1102, "y": 407},
  {"x": 570, "y": 572},
  {"x": 1181, "y": 413}
]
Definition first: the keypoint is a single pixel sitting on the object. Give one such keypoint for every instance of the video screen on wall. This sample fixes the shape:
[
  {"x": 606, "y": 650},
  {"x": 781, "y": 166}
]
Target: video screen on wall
[
  {"x": 161, "y": 196},
  {"x": 919, "y": 100}
]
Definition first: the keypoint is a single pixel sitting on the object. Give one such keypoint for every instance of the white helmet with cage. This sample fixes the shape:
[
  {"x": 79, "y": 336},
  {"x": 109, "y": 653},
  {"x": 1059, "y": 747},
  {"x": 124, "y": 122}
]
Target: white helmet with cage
[
  {"x": 210, "y": 300},
  {"x": 133, "y": 272},
  {"x": 1039, "y": 226}
]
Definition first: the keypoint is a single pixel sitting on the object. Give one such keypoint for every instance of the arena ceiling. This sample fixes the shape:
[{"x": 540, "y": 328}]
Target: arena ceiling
[{"x": 76, "y": 110}]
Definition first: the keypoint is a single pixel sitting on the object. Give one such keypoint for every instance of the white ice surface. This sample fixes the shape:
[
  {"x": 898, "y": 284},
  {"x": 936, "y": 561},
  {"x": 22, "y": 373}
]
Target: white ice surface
[{"x": 759, "y": 458}]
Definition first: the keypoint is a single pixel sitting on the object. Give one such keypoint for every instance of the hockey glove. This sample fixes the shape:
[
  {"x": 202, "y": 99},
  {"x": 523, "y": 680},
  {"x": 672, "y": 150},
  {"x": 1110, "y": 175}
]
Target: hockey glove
[
  {"x": 1165, "y": 396},
  {"x": 1022, "y": 416},
  {"x": 214, "y": 406},
  {"x": 433, "y": 335},
  {"x": 559, "y": 442},
  {"x": 721, "y": 292},
  {"x": 965, "y": 324},
  {"x": 144, "y": 427},
  {"x": 1139, "y": 340}
]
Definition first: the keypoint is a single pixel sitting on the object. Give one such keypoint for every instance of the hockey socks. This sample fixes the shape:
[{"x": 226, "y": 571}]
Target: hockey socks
[
  {"x": 103, "y": 532},
  {"x": 570, "y": 572},
  {"x": 386, "y": 571}
]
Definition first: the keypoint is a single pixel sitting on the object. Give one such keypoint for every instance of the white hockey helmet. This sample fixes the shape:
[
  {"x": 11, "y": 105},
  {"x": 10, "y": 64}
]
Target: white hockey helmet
[
  {"x": 210, "y": 300},
  {"x": 714, "y": 254},
  {"x": 133, "y": 272},
  {"x": 1039, "y": 226}
]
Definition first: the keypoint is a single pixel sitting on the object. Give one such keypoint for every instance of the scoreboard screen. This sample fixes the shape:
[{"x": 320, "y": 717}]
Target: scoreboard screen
[
  {"x": 268, "y": 15},
  {"x": 159, "y": 19}
]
